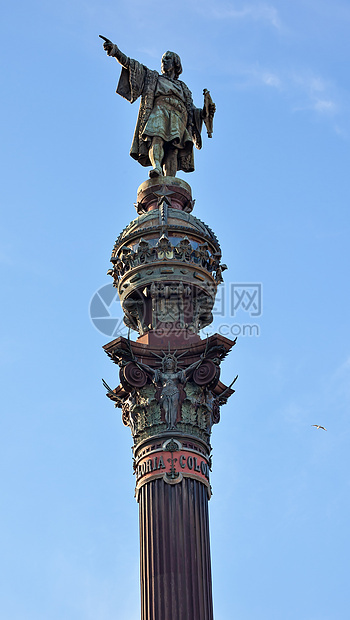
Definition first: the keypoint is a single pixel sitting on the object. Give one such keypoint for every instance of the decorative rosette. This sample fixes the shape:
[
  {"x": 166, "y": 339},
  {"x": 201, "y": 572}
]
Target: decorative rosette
[
  {"x": 132, "y": 376},
  {"x": 207, "y": 374}
]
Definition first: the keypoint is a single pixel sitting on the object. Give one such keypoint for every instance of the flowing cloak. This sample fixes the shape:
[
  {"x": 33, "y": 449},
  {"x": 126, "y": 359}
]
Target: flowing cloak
[{"x": 137, "y": 80}]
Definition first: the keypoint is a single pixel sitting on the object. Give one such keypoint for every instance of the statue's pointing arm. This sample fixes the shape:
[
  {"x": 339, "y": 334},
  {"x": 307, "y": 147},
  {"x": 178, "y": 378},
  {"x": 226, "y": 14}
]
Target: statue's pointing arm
[
  {"x": 113, "y": 50},
  {"x": 132, "y": 77}
]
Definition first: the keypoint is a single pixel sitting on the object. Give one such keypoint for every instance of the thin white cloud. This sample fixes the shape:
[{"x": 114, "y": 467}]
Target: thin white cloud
[
  {"x": 317, "y": 94},
  {"x": 271, "y": 79},
  {"x": 152, "y": 52},
  {"x": 321, "y": 106},
  {"x": 325, "y": 106},
  {"x": 257, "y": 12},
  {"x": 304, "y": 90},
  {"x": 316, "y": 84},
  {"x": 254, "y": 75}
]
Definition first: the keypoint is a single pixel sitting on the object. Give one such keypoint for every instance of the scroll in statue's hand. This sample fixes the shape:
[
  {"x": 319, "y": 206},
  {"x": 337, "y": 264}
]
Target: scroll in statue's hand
[
  {"x": 209, "y": 111},
  {"x": 107, "y": 45}
]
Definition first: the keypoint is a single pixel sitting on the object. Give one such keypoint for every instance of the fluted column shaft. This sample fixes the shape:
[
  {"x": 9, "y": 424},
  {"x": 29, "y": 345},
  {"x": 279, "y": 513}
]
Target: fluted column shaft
[{"x": 175, "y": 551}]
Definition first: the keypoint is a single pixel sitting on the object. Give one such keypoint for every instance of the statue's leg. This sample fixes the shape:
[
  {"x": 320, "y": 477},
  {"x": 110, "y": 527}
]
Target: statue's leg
[
  {"x": 167, "y": 413},
  {"x": 156, "y": 155},
  {"x": 170, "y": 161},
  {"x": 174, "y": 408}
]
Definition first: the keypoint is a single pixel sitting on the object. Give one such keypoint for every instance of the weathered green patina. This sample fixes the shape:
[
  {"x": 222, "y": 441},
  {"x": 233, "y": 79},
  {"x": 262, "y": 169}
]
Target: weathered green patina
[{"x": 168, "y": 123}]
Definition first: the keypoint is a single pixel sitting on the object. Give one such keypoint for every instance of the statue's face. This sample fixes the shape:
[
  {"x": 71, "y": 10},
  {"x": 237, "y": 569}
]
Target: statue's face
[
  {"x": 167, "y": 62},
  {"x": 169, "y": 364}
]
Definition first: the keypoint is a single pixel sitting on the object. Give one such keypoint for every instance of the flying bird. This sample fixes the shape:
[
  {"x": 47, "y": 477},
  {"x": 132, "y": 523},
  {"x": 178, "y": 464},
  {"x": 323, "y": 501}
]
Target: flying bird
[{"x": 318, "y": 426}]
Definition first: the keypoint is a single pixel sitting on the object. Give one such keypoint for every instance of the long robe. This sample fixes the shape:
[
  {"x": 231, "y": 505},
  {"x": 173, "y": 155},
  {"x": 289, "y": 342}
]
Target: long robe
[{"x": 138, "y": 81}]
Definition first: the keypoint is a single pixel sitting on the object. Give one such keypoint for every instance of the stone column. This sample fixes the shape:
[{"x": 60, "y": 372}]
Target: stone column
[
  {"x": 167, "y": 266},
  {"x": 175, "y": 553}
]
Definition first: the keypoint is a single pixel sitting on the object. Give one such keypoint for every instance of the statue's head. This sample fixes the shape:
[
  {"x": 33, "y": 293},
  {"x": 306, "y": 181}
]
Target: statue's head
[
  {"x": 171, "y": 60},
  {"x": 169, "y": 363}
]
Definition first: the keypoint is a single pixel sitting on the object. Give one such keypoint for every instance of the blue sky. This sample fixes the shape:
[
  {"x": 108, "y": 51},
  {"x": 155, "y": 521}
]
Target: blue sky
[{"x": 274, "y": 185}]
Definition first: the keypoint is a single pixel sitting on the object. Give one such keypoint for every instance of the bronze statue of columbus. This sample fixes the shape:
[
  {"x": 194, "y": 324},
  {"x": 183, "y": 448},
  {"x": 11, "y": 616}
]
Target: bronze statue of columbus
[{"x": 168, "y": 123}]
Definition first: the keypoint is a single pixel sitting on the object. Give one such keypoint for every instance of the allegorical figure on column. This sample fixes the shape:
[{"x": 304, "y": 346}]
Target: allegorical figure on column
[
  {"x": 170, "y": 383},
  {"x": 168, "y": 123}
]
